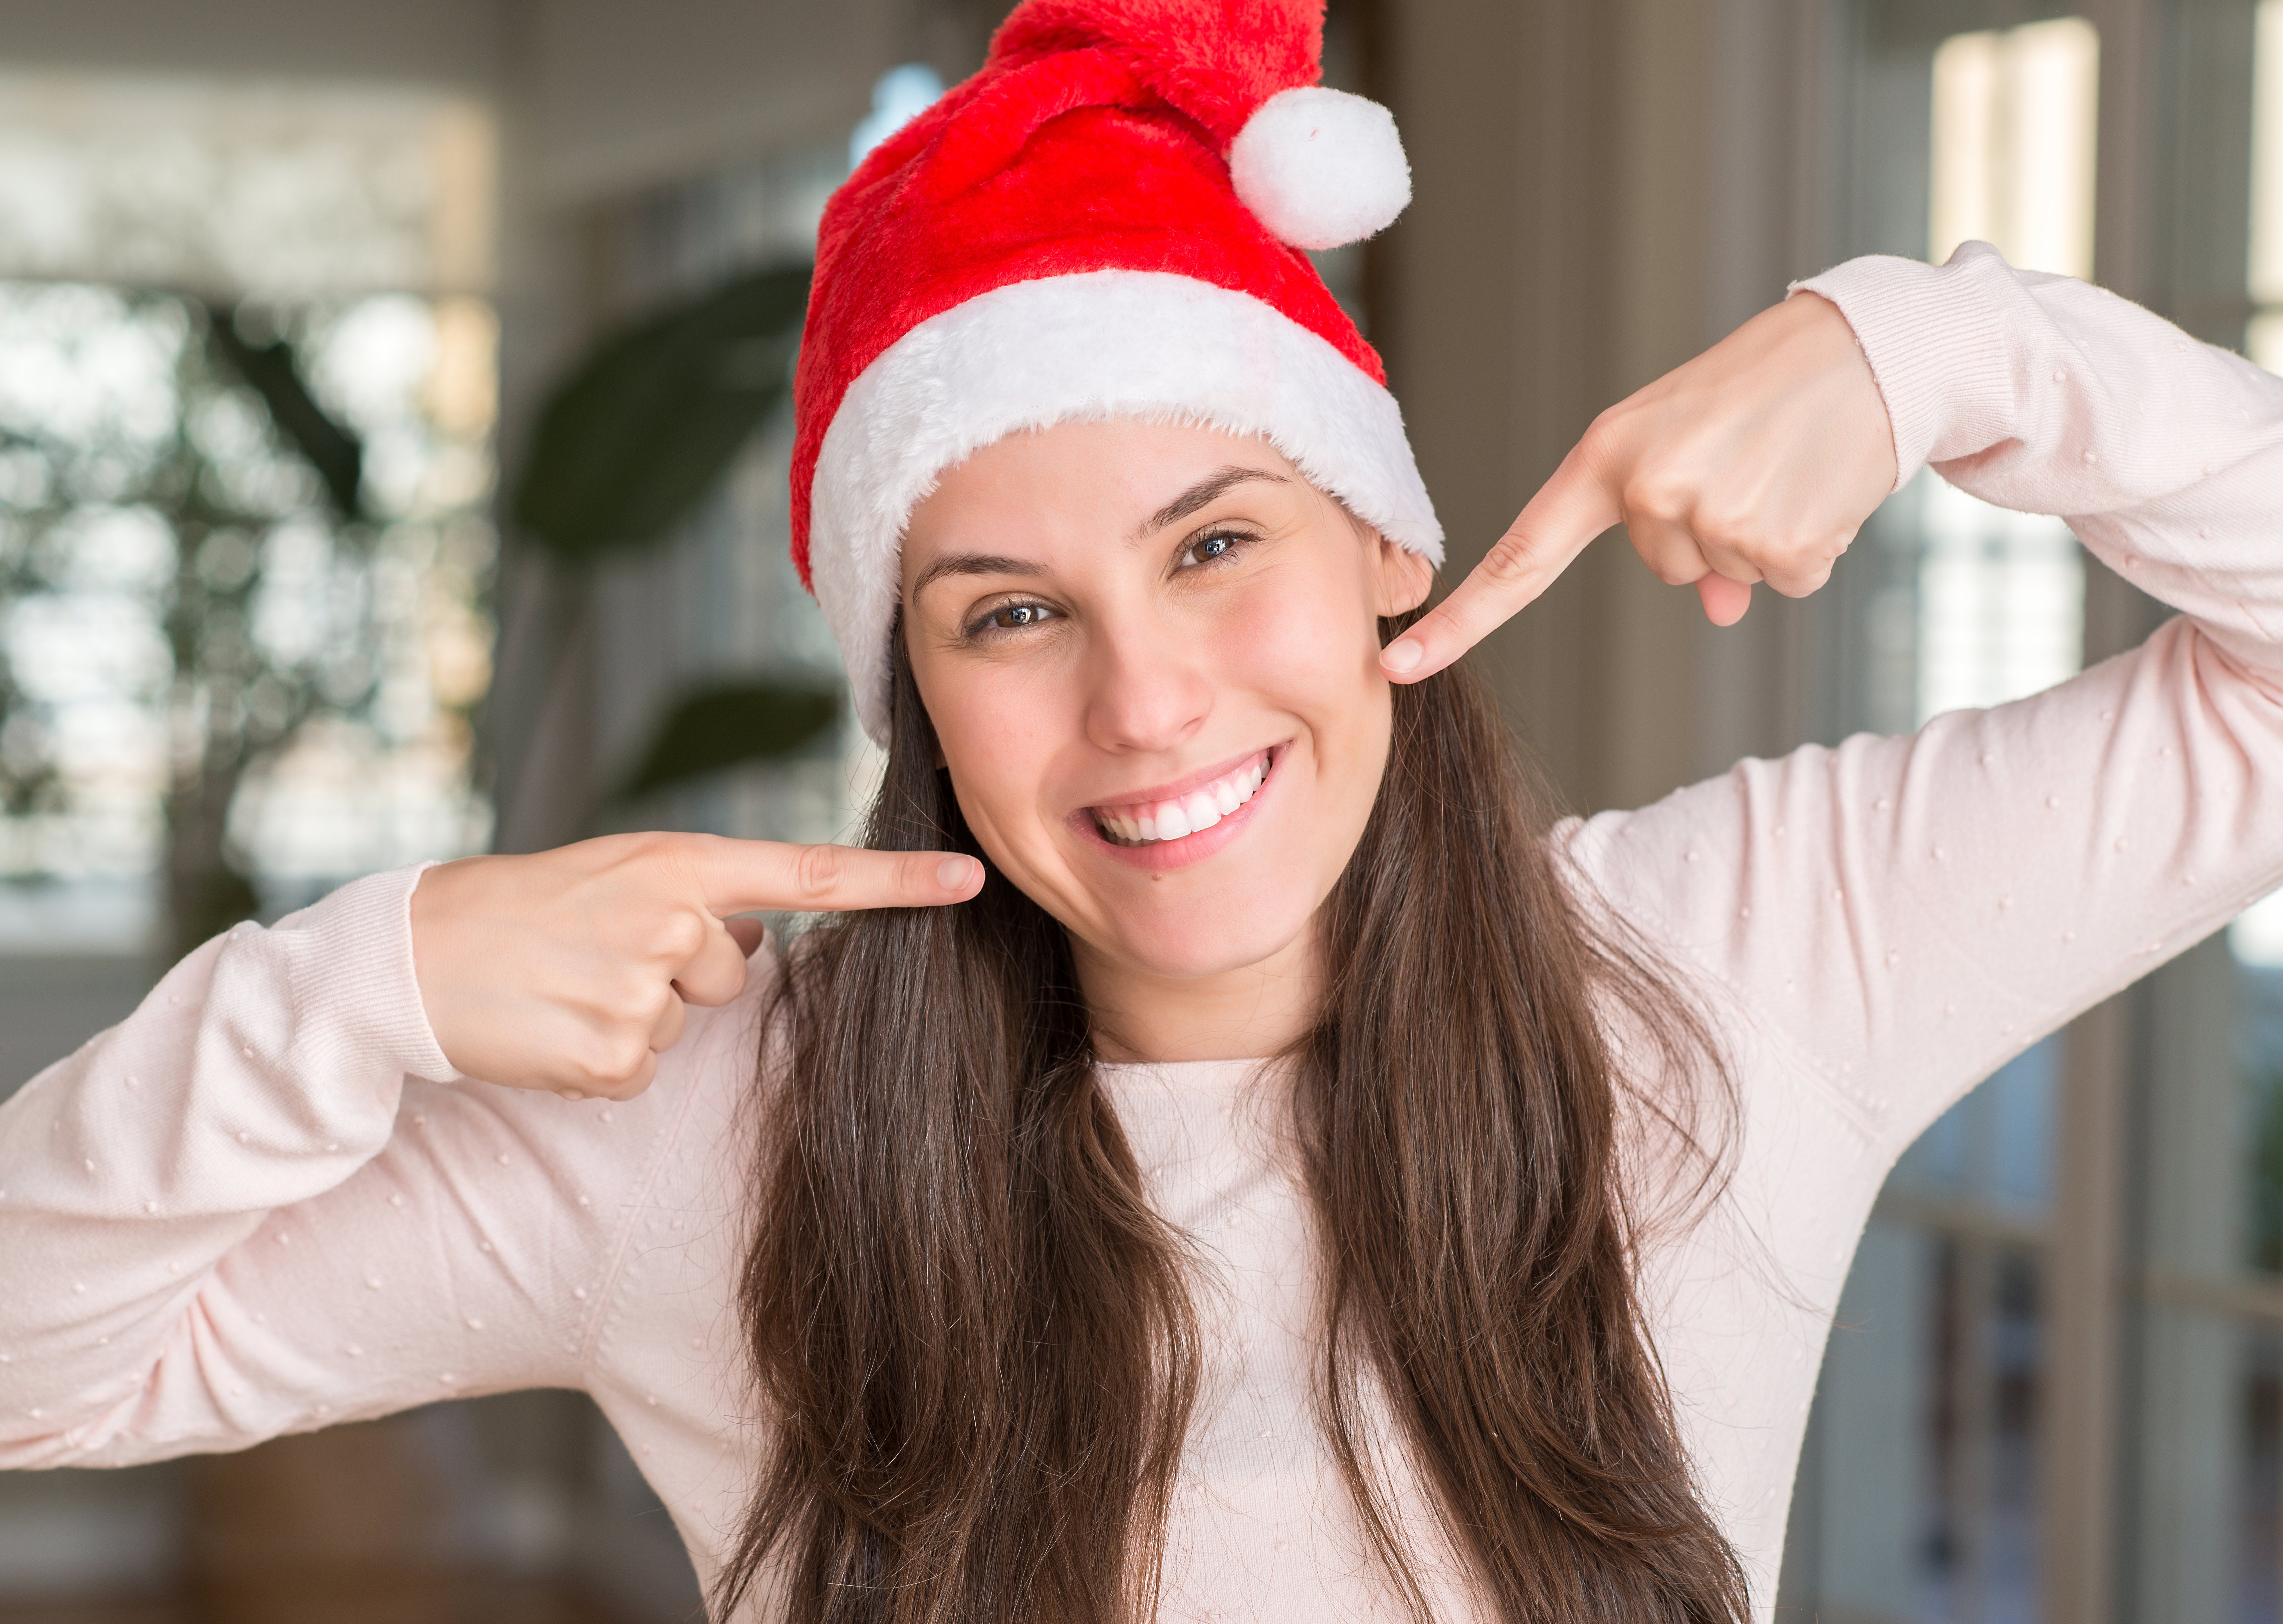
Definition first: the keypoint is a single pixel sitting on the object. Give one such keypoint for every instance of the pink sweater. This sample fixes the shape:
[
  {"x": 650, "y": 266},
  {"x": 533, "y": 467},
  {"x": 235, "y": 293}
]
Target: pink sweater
[{"x": 265, "y": 1203}]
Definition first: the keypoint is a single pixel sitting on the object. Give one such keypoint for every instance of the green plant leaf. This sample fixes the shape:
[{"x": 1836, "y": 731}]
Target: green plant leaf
[
  {"x": 269, "y": 370},
  {"x": 648, "y": 424},
  {"x": 728, "y": 725}
]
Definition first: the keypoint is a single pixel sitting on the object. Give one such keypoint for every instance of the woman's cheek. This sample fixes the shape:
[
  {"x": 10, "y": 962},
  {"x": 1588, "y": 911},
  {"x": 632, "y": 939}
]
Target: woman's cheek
[
  {"x": 999, "y": 726},
  {"x": 1312, "y": 653},
  {"x": 1309, "y": 651}
]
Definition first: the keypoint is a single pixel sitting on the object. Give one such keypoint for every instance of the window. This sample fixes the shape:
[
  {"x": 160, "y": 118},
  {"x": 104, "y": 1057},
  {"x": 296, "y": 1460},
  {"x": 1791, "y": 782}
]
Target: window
[
  {"x": 2001, "y": 595},
  {"x": 1920, "y": 1492},
  {"x": 2014, "y": 122},
  {"x": 1957, "y": 1394},
  {"x": 228, "y": 680},
  {"x": 2001, "y": 602}
]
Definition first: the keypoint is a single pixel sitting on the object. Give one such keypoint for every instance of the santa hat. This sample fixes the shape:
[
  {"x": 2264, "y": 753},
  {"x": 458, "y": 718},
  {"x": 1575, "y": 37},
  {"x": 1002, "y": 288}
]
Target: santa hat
[{"x": 1108, "y": 221}]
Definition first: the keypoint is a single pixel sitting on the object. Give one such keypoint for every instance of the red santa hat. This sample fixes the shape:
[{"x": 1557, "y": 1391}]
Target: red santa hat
[{"x": 1107, "y": 221}]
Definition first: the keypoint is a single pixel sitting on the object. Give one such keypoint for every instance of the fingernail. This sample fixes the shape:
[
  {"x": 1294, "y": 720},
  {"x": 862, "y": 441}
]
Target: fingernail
[
  {"x": 953, "y": 873},
  {"x": 1403, "y": 654}
]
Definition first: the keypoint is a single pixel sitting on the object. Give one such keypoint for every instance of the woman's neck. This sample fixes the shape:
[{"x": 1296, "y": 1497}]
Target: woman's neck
[{"x": 1239, "y": 1014}]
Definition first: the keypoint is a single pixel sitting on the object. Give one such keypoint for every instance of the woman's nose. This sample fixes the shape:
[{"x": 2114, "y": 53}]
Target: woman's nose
[{"x": 1144, "y": 693}]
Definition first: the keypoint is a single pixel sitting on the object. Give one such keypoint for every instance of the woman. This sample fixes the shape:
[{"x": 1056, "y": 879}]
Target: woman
[{"x": 1245, "y": 1167}]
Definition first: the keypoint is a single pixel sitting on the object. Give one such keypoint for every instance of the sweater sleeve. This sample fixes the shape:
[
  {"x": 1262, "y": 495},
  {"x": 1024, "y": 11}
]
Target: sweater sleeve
[
  {"x": 1897, "y": 917},
  {"x": 248, "y": 1210}
]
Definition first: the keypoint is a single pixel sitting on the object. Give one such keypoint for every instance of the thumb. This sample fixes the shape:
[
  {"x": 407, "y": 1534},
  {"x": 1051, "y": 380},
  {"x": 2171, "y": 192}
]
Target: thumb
[
  {"x": 1569, "y": 511},
  {"x": 1725, "y": 600}
]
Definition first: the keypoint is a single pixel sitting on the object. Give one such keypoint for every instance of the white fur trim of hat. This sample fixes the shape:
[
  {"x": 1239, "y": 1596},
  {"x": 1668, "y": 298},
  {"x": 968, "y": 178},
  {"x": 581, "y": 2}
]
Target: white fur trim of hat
[{"x": 1090, "y": 347}]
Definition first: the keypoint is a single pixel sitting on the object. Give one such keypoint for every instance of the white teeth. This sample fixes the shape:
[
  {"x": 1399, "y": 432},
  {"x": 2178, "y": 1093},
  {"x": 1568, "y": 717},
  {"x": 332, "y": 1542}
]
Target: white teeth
[{"x": 1171, "y": 820}]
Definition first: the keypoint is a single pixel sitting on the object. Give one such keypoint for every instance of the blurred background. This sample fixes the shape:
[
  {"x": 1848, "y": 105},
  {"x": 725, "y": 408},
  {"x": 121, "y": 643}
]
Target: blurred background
[{"x": 392, "y": 461}]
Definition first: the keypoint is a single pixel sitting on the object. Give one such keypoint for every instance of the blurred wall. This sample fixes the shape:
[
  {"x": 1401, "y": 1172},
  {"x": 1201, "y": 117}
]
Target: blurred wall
[
  {"x": 622, "y": 97},
  {"x": 1602, "y": 190},
  {"x": 447, "y": 42}
]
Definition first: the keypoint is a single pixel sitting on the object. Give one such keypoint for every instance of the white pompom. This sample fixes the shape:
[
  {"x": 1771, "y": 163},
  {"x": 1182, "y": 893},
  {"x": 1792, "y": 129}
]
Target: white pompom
[{"x": 1320, "y": 167}]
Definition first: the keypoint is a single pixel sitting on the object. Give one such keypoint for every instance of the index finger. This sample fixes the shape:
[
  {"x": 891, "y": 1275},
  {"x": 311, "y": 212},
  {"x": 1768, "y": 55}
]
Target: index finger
[
  {"x": 1569, "y": 511},
  {"x": 744, "y": 875}
]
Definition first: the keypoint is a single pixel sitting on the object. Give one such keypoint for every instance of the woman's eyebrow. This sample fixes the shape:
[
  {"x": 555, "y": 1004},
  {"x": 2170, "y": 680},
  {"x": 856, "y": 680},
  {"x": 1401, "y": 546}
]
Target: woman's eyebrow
[
  {"x": 1203, "y": 492},
  {"x": 973, "y": 564},
  {"x": 1206, "y": 491}
]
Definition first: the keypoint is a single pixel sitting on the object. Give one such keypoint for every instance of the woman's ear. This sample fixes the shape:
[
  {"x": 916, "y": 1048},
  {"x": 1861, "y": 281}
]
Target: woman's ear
[{"x": 1405, "y": 578}]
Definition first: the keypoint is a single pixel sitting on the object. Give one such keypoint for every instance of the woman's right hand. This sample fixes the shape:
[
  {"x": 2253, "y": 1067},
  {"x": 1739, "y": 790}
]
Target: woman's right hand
[{"x": 572, "y": 969}]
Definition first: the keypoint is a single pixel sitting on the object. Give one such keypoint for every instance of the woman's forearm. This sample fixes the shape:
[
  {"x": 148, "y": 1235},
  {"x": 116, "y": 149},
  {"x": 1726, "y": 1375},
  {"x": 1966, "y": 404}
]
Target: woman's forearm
[{"x": 262, "y": 1072}]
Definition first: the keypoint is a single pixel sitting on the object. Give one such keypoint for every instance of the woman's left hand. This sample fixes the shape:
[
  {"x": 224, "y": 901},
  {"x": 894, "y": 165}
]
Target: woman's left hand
[{"x": 1757, "y": 461}]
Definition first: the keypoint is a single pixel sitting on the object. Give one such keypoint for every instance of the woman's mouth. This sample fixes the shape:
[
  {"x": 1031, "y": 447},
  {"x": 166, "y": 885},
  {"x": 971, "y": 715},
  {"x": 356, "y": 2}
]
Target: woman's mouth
[{"x": 1175, "y": 817}]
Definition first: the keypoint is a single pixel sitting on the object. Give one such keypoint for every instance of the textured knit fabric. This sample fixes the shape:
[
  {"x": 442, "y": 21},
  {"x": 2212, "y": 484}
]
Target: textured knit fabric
[{"x": 243, "y": 1212}]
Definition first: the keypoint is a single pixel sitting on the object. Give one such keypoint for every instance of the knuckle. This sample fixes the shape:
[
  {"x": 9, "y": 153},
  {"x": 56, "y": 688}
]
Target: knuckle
[
  {"x": 1726, "y": 523},
  {"x": 672, "y": 855},
  {"x": 681, "y": 935},
  {"x": 1801, "y": 581},
  {"x": 1509, "y": 560},
  {"x": 1716, "y": 547},
  {"x": 1798, "y": 558},
  {"x": 818, "y": 871},
  {"x": 713, "y": 985},
  {"x": 634, "y": 1004},
  {"x": 1605, "y": 438},
  {"x": 1675, "y": 569},
  {"x": 657, "y": 848},
  {"x": 1657, "y": 492},
  {"x": 638, "y": 1084},
  {"x": 605, "y": 1062},
  {"x": 621, "y": 1054},
  {"x": 1668, "y": 552}
]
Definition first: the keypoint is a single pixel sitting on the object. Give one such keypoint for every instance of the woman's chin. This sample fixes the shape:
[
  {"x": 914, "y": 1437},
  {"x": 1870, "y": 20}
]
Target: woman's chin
[{"x": 1195, "y": 943}]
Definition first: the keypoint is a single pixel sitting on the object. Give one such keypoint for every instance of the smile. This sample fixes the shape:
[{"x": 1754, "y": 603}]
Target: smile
[{"x": 1176, "y": 818}]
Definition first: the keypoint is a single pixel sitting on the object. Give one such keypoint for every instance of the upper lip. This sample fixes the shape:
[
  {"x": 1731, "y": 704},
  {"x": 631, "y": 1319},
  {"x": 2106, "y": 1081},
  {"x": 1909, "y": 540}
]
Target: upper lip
[{"x": 1174, "y": 789}]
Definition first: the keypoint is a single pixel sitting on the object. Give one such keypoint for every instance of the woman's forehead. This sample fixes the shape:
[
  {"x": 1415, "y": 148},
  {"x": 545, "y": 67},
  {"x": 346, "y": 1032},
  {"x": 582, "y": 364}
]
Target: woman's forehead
[{"x": 1085, "y": 482}]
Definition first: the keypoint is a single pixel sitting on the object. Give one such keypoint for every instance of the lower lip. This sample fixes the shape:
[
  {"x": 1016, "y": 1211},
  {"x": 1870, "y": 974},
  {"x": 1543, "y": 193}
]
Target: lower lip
[{"x": 1160, "y": 856}]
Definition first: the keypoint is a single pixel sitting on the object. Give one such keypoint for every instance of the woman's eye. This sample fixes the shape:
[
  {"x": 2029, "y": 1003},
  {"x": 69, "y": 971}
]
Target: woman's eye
[
  {"x": 1013, "y": 617},
  {"x": 1206, "y": 548}
]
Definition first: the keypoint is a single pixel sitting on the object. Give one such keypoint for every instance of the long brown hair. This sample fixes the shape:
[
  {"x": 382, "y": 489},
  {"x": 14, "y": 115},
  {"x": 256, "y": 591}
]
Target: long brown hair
[{"x": 975, "y": 1352}]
